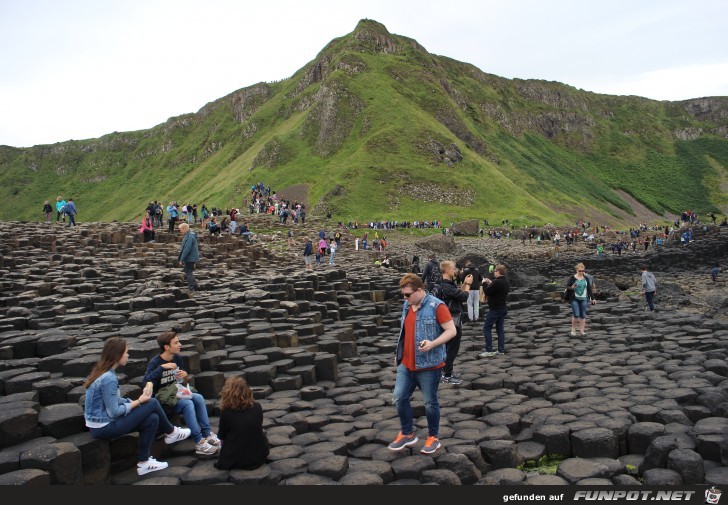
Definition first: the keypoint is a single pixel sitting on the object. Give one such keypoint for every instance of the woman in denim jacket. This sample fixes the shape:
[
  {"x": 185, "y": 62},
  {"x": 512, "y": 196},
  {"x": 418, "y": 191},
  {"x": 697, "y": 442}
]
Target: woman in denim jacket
[{"x": 110, "y": 416}]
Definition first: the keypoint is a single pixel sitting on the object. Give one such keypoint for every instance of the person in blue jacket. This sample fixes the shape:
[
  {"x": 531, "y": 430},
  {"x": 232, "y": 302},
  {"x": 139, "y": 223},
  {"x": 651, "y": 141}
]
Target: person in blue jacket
[
  {"x": 71, "y": 212},
  {"x": 308, "y": 254},
  {"x": 189, "y": 254}
]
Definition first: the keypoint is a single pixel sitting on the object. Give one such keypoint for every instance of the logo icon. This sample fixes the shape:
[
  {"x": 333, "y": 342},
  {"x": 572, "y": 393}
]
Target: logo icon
[{"x": 712, "y": 496}]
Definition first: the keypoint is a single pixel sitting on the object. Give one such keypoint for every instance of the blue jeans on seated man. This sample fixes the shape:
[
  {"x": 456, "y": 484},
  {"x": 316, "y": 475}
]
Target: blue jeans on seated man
[
  {"x": 405, "y": 384},
  {"x": 497, "y": 317},
  {"x": 194, "y": 413}
]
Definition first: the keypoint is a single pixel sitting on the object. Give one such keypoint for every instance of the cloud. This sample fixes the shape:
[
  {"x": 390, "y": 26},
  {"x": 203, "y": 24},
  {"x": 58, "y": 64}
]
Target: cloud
[{"x": 672, "y": 83}]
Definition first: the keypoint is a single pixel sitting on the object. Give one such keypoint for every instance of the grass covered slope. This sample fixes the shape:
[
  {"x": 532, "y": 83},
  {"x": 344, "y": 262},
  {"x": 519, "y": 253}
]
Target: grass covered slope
[{"x": 378, "y": 128}]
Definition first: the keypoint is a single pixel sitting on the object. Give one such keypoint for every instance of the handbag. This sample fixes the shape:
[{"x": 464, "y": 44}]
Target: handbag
[{"x": 568, "y": 295}]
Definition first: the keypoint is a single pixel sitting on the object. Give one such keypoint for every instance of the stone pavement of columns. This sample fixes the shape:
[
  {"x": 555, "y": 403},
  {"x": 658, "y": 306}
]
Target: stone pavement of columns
[{"x": 641, "y": 399}]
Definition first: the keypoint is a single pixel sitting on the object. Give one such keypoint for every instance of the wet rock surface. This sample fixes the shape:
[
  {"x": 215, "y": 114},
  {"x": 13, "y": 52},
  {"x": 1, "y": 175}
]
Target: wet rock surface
[{"x": 642, "y": 398}]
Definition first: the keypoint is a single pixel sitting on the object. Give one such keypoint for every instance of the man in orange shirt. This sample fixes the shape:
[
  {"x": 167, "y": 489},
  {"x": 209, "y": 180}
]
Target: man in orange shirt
[{"x": 426, "y": 326}]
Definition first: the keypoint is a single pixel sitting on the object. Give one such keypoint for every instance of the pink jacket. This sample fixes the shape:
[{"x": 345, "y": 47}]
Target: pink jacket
[{"x": 146, "y": 225}]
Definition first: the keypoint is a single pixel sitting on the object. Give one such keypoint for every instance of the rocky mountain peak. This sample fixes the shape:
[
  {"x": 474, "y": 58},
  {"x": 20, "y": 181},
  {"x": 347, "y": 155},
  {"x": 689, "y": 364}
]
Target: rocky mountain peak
[{"x": 371, "y": 36}]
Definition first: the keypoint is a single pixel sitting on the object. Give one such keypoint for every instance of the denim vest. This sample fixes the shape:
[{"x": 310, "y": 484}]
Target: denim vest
[
  {"x": 103, "y": 403},
  {"x": 426, "y": 328}
]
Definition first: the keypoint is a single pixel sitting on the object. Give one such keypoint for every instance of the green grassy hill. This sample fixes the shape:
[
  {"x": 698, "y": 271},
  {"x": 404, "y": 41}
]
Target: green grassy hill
[{"x": 378, "y": 128}]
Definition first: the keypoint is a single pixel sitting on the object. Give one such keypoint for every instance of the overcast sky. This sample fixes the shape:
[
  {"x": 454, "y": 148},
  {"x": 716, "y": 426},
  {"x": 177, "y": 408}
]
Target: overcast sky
[{"x": 76, "y": 69}]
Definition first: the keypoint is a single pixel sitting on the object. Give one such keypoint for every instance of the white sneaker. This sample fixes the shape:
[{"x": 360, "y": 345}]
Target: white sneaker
[
  {"x": 177, "y": 435},
  {"x": 212, "y": 439},
  {"x": 150, "y": 465},
  {"x": 573, "y": 333},
  {"x": 205, "y": 448}
]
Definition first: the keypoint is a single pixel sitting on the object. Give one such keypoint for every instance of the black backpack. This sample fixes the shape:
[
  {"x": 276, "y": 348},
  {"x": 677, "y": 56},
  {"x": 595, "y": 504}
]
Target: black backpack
[
  {"x": 435, "y": 276},
  {"x": 437, "y": 291}
]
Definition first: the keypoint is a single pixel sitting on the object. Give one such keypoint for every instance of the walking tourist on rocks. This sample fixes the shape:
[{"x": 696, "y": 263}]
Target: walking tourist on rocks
[
  {"x": 425, "y": 326},
  {"x": 453, "y": 298},
  {"x": 715, "y": 271},
  {"x": 189, "y": 254},
  {"x": 583, "y": 293},
  {"x": 71, "y": 212},
  {"x": 158, "y": 212},
  {"x": 60, "y": 209},
  {"x": 332, "y": 251},
  {"x": 109, "y": 416},
  {"x": 173, "y": 213},
  {"x": 415, "y": 268},
  {"x": 496, "y": 290},
  {"x": 648, "y": 287},
  {"x": 474, "y": 296},
  {"x": 308, "y": 254},
  {"x": 431, "y": 274},
  {"x": 47, "y": 210},
  {"x": 147, "y": 228},
  {"x": 243, "y": 442},
  {"x": 165, "y": 371},
  {"x": 320, "y": 251}
]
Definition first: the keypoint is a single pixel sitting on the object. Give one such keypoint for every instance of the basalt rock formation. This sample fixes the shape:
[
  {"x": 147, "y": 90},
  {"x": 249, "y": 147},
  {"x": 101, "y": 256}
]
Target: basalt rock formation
[{"x": 641, "y": 399}]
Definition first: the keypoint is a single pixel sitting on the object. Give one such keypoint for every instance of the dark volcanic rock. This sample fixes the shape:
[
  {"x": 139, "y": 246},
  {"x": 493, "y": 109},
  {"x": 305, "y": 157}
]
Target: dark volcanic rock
[{"x": 642, "y": 398}]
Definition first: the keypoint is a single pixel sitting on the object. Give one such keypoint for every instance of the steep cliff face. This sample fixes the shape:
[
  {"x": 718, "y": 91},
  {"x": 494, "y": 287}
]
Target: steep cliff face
[{"x": 375, "y": 126}]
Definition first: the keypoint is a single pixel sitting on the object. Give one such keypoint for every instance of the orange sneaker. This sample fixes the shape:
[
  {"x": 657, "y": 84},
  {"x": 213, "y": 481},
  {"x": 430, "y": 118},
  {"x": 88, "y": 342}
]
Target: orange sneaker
[
  {"x": 431, "y": 445},
  {"x": 403, "y": 441}
]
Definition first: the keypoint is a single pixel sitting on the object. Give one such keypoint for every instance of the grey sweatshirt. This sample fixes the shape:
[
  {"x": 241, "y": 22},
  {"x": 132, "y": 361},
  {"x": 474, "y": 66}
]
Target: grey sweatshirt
[{"x": 648, "y": 281}]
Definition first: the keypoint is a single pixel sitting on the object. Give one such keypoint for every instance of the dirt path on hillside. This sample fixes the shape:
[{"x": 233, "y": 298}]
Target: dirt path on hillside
[{"x": 295, "y": 193}]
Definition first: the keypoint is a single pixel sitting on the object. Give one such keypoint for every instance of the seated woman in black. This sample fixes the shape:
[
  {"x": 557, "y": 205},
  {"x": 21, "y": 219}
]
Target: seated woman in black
[{"x": 244, "y": 444}]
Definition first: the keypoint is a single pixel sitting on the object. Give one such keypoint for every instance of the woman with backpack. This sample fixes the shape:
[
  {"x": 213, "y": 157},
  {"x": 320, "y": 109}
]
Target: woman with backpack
[
  {"x": 453, "y": 297},
  {"x": 61, "y": 209},
  {"x": 581, "y": 286}
]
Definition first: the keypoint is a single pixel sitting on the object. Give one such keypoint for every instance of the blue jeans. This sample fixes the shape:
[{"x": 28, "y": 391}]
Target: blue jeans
[
  {"x": 145, "y": 419},
  {"x": 194, "y": 413},
  {"x": 497, "y": 317},
  {"x": 650, "y": 297},
  {"x": 405, "y": 385},
  {"x": 578, "y": 308}
]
